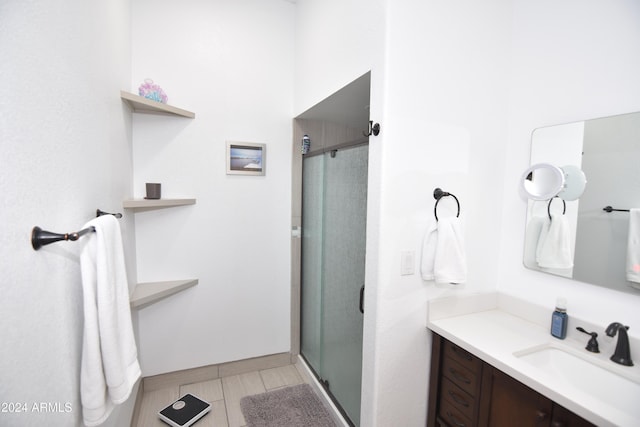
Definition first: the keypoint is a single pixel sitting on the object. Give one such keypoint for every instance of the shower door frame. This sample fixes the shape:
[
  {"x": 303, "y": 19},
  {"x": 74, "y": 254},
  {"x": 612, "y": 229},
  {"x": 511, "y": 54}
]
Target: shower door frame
[{"x": 300, "y": 128}]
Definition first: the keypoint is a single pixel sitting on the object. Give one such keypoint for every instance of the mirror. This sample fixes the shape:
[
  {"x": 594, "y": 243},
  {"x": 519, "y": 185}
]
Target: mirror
[
  {"x": 542, "y": 181},
  {"x": 606, "y": 152}
]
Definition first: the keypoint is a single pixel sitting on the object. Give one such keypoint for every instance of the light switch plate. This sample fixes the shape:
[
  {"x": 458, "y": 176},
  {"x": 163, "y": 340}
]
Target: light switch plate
[{"x": 407, "y": 261}]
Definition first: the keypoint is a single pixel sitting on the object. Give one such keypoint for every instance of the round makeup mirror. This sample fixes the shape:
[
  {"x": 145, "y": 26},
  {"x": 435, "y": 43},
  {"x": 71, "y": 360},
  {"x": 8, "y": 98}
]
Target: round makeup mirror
[{"x": 542, "y": 181}]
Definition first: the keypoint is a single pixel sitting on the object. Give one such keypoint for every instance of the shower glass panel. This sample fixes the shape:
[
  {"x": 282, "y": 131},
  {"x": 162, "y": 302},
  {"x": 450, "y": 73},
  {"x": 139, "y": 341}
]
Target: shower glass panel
[
  {"x": 334, "y": 232},
  {"x": 311, "y": 301}
]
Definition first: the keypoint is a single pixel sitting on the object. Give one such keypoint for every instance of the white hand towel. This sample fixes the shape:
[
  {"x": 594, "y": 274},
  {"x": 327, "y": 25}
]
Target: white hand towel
[
  {"x": 450, "y": 265},
  {"x": 109, "y": 367},
  {"x": 633, "y": 247},
  {"x": 429, "y": 242},
  {"x": 554, "y": 245},
  {"x": 532, "y": 236}
]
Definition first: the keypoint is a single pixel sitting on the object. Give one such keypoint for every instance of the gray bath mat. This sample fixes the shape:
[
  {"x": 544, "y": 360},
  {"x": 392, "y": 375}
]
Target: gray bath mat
[{"x": 293, "y": 406}]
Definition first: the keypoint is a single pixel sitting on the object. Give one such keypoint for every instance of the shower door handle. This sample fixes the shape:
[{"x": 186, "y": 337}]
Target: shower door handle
[{"x": 362, "y": 299}]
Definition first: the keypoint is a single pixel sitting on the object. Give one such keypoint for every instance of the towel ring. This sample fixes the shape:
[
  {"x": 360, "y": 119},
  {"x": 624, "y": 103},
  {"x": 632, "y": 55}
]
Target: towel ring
[
  {"x": 564, "y": 207},
  {"x": 439, "y": 194}
]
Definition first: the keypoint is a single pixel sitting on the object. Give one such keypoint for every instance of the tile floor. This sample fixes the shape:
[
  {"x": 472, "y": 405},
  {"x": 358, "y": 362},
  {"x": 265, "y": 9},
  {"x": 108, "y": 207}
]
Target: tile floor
[{"x": 224, "y": 394}]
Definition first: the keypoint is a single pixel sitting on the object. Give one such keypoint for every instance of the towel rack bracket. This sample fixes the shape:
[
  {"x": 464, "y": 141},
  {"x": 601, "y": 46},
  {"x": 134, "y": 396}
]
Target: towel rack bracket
[
  {"x": 438, "y": 193},
  {"x": 40, "y": 237}
]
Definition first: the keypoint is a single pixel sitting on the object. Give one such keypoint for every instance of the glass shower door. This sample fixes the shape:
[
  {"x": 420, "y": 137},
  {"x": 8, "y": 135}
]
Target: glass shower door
[{"x": 334, "y": 237}]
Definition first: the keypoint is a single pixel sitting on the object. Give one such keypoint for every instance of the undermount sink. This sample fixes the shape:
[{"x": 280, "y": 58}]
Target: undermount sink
[{"x": 593, "y": 377}]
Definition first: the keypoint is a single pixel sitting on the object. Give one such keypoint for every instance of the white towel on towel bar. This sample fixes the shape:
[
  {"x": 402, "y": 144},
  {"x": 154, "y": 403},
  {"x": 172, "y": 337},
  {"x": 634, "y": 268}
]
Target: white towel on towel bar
[
  {"x": 554, "y": 244},
  {"x": 443, "y": 253},
  {"x": 109, "y": 367},
  {"x": 633, "y": 248},
  {"x": 451, "y": 262},
  {"x": 532, "y": 236},
  {"x": 428, "y": 258}
]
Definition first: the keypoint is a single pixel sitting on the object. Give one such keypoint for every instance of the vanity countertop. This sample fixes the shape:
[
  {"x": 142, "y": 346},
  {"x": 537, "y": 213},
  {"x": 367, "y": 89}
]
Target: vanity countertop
[{"x": 498, "y": 328}]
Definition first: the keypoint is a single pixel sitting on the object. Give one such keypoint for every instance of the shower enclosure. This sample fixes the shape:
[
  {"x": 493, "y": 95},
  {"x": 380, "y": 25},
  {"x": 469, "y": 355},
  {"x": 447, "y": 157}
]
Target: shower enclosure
[{"x": 334, "y": 209}]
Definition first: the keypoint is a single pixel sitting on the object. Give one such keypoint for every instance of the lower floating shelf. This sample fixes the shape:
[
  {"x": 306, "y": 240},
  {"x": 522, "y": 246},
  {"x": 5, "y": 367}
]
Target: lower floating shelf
[
  {"x": 150, "y": 292},
  {"x": 146, "y": 204}
]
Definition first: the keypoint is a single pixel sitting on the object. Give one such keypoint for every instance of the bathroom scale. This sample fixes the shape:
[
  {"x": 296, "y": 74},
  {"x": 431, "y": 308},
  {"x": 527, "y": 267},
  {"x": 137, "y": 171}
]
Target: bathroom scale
[{"x": 184, "y": 411}]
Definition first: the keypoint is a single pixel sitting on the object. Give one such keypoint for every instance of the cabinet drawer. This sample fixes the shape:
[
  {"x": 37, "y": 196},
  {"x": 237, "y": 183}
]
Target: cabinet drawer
[
  {"x": 452, "y": 416},
  {"x": 458, "y": 398},
  {"x": 459, "y": 375},
  {"x": 462, "y": 356}
]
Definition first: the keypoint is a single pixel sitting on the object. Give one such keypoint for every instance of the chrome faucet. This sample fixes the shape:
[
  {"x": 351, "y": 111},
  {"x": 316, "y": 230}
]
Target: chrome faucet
[{"x": 622, "y": 355}]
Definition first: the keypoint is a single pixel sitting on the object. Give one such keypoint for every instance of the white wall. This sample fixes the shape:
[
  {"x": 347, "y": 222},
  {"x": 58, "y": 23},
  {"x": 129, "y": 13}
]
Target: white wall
[
  {"x": 231, "y": 62},
  {"x": 337, "y": 42},
  {"x": 447, "y": 80},
  {"x": 572, "y": 61},
  {"x": 64, "y": 151},
  {"x": 463, "y": 87},
  {"x": 447, "y": 68},
  {"x": 438, "y": 89}
]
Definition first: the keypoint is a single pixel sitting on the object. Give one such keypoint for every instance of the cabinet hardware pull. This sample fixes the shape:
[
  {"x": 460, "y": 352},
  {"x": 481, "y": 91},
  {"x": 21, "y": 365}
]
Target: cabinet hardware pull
[
  {"x": 557, "y": 424},
  {"x": 458, "y": 399},
  {"x": 462, "y": 353},
  {"x": 541, "y": 415},
  {"x": 459, "y": 376},
  {"x": 454, "y": 420}
]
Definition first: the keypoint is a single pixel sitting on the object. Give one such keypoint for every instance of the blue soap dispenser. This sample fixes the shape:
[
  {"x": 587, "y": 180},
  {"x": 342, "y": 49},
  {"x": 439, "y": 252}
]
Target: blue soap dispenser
[{"x": 559, "y": 319}]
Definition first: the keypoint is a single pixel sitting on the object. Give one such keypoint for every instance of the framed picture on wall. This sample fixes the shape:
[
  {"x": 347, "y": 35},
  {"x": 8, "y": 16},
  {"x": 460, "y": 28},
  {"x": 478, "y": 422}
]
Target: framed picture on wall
[{"x": 246, "y": 158}]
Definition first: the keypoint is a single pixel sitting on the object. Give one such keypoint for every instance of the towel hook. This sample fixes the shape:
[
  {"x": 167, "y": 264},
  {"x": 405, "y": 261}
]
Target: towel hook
[
  {"x": 439, "y": 194},
  {"x": 373, "y": 129},
  {"x": 564, "y": 207}
]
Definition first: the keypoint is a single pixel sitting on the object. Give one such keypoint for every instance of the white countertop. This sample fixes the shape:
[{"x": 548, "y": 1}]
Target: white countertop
[{"x": 495, "y": 326}]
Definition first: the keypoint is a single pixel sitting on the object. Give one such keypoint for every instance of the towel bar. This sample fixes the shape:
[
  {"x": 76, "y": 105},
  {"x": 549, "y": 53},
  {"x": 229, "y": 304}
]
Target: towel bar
[
  {"x": 564, "y": 206},
  {"x": 610, "y": 209},
  {"x": 439, "y": 194},
  {"x": 40, "y": 237}
]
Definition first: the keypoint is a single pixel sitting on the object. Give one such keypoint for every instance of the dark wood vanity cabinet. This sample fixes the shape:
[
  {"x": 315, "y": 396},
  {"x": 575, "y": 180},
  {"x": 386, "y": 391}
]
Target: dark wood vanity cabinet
[
  {"x": 510, "y": 401},
  {"x": 464, "y": 391},
  {"x": 458, "y": 384}
]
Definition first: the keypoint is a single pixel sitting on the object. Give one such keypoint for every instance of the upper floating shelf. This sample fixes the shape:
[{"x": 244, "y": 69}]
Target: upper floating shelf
[{"x": 140, "y": 104}]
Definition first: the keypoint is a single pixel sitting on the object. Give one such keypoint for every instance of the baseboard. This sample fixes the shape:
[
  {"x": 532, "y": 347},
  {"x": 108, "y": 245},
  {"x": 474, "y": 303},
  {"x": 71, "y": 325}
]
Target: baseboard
[
  {"x": 136, "y": 407},
  {"x": 212, "y": 372}
]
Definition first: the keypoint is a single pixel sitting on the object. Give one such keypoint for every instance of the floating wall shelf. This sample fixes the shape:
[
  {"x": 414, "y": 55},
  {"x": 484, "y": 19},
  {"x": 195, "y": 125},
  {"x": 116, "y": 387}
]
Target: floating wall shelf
[
  {"x": 148, "y": 204},
  {"x": 140, "y": 104},
  {"x": 150, "y": 292}
]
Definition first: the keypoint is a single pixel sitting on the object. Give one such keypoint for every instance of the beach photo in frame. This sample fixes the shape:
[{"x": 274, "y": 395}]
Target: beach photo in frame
[{"x": 246, "y": 158}]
